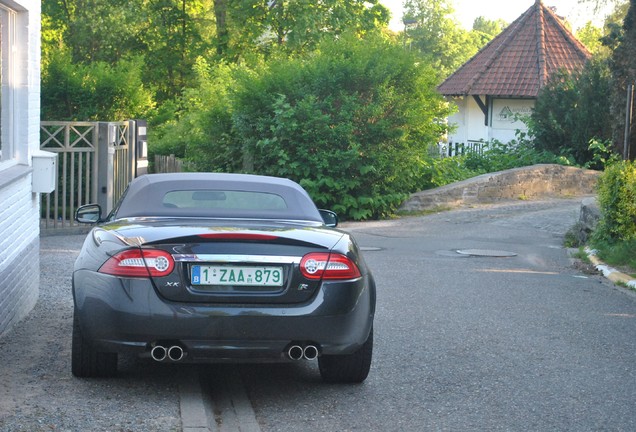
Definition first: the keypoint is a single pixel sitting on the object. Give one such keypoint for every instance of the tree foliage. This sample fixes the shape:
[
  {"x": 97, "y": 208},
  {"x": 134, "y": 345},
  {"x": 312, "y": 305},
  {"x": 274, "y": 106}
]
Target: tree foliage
[
  {"x": 168, "y": 34},
  {"x": 623, "y": 68},
  {"x": 94, "y": 91},
  {"x": 592, "y": 38},
  {"x": 572, "y": 110},
  {"x": 484, "y": 30},
  {"x": 299, "y": 25},
  {"x": 437, "y": 36}
]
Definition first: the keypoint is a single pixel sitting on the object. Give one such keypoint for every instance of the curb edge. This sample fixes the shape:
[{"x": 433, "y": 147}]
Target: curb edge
[{"x": 609, "y": 272}]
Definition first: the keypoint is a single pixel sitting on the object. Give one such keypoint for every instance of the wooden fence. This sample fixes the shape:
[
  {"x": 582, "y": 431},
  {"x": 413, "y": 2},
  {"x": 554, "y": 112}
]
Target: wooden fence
[{"x": 167, "y": 164}]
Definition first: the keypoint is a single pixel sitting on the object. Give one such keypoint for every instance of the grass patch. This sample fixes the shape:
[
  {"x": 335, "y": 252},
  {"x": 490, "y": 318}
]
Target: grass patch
[
  {"x": 620, "y": 255},
  {"x": 581, "y": 255}
]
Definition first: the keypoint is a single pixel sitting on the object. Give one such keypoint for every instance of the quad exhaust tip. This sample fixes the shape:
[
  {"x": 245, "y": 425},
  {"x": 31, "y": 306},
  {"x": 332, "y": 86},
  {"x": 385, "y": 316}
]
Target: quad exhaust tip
[
  {"x": 161, "y": 353},
  {"x": 298, "y": 352}
]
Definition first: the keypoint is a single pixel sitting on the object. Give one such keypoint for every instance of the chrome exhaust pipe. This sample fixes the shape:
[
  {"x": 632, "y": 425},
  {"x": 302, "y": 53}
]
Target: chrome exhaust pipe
[
  {"x": 158, "y": 353},
  {"x": 295, "y": 352},
  {"x": 310, "y": 352},
  {"x": 176, "y": 353}
]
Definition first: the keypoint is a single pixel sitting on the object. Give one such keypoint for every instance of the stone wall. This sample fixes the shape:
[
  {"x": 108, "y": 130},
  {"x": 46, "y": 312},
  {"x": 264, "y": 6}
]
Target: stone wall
[
  {"x": 534, "y": 182},
  {"x": 588, "y": 219}
]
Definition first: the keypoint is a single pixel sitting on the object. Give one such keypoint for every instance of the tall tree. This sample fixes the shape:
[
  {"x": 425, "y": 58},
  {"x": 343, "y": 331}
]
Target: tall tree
[
  {"x": 170, "y": 34},
  {"x": 591, "y": 36},
  {"x": 96, "y": 30},
  {"x": 295, "y": 26},
  {"x": 623, "y": 66},
  {"x": 437, "y": 35},
  {"x": 175, "y": 33},
  {"x": 484, "y": 30},
  {"x": 222, "y": 32}
]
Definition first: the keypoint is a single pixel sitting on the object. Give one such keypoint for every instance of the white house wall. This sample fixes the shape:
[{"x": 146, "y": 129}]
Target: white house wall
[
  {"x": 19, "y": 206},
  {"x": 19, "y": 251},
  {"x": 505, "y": 117},
  {"x": 469, "y": 121},
  {"x": 470, "y": 125}
]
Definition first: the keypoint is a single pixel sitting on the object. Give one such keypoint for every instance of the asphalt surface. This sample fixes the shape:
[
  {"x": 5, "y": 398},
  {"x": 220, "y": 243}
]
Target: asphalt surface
[{"x": 463, "y": 342}]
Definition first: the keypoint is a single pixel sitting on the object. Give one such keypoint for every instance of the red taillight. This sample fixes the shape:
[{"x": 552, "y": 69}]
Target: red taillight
[
  {"x": 139, "y": 263},
  {"x": 321, "y": 265}
]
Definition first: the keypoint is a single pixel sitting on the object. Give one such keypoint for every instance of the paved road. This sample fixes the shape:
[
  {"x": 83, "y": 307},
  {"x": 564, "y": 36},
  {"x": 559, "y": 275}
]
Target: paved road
[
  {"x": 475, "y": 343},
  {"x": 463, "y": 343}
]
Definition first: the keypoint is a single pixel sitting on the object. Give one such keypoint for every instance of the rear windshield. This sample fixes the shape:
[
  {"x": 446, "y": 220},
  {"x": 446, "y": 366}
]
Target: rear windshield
[
  {"x": 223, "y": 199},
  {"x": 209, "y": 195}
]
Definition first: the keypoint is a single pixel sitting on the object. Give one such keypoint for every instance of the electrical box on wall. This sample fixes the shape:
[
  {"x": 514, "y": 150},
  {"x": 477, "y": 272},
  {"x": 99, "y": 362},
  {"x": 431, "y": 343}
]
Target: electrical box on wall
[{"x": 44, "y": 171}]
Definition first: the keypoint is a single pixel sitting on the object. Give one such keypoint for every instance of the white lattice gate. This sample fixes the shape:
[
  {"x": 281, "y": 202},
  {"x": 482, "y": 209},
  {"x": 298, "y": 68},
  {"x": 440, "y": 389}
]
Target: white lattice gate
[{"x": 96, "y": 161}]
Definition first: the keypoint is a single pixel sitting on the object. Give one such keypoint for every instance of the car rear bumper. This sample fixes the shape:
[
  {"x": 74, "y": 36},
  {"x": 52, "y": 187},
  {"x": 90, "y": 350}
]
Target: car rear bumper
[{"x": 128, "y": 315}]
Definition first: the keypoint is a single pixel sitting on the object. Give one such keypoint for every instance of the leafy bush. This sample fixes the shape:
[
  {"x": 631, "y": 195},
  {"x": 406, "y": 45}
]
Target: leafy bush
[
  {"x": 351, "y": 122},
  {"x": 97, "y": 91},
  {"x": 497, "y": 157},
  {"x": 502, "y": 156},
  {"x": 571, "y": 110},
  {"x": 198, "y": 127},
  {"x": 442, "y": 171},
  {"x": 617, "y": 201}
]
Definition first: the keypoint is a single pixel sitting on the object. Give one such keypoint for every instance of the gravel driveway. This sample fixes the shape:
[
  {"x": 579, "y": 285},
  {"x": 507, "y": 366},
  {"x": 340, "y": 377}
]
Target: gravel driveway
[{"x": 38, "y": 392}]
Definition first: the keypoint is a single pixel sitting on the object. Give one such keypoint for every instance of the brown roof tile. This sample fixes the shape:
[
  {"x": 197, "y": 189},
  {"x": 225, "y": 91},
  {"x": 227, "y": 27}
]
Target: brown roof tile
[{"x": 518, "y": 62}]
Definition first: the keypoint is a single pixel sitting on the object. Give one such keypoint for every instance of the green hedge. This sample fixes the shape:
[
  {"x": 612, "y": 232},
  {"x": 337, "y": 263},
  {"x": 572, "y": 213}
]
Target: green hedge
[{"x": 617, "y": 201}]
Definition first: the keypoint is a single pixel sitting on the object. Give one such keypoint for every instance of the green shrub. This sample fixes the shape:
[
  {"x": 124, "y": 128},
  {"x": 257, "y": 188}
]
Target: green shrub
[
  {"x": 351, "y": 122},
  {"x": 442, "y": 171},
  {"x": 620, "y": 254},
  {"x": 617, "y": 201},
  {"x": 502, "y": 156},
  {"x": 571, "y": 110},
  {"x": 498, "y": 157},
  {"x": 95, "y": 91}
]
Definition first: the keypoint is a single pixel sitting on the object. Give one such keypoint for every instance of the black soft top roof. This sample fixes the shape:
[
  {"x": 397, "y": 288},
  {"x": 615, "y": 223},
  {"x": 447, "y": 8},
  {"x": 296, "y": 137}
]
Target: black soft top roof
[{"x": 145, "y": 195}]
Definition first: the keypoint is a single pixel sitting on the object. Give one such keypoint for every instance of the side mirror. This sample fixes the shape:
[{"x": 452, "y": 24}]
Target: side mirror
[
  {"x": 330, "y": 218},
  {"x": 88, "y": 214}
]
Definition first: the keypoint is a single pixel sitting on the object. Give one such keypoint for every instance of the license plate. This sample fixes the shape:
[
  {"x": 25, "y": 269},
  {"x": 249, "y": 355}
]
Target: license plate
[{"x": 236, "y": 275}]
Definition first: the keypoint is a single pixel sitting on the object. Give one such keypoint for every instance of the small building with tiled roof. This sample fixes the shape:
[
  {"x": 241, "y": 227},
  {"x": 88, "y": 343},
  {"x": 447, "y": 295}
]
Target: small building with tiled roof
[{"x": 501, "y": 82}]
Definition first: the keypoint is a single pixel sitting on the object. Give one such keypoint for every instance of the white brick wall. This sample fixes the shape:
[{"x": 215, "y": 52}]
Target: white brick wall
[{"x": 19, "y": 207}]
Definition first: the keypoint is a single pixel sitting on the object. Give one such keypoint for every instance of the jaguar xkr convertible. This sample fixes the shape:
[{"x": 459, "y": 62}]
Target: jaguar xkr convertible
[{"x": 200, "y": 267}]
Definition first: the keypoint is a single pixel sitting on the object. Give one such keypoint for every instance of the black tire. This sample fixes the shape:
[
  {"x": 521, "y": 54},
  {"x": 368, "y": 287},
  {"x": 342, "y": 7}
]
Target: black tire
[
  {"x": 348, "y": 368},
  {"x": 86, "y": 362}
]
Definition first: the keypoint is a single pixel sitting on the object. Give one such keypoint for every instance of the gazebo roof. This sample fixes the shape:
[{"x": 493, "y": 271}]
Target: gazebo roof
[{"x": 518, "y": 62}]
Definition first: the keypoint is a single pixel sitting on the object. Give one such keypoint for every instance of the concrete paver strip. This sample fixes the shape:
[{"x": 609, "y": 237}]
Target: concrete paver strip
[
  {"x": 194, "y": 417},
  {"x": 234, "y": 407}
]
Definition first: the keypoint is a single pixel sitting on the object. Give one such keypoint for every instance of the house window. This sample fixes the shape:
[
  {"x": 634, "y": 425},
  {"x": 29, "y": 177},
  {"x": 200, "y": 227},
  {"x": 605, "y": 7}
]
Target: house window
[{"x": 7, "y": 40}]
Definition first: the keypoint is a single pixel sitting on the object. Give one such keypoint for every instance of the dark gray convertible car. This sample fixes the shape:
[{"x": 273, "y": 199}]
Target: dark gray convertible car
[{"x": 199, "y": 267}]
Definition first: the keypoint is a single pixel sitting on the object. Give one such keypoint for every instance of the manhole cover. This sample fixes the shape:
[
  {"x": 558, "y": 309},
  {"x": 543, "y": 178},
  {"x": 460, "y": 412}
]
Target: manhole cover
[{"x": 486, "y": 253}]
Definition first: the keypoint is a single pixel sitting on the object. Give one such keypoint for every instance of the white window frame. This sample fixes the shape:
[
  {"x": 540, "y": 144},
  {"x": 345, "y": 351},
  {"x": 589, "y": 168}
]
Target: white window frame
[{"x": 8, "y": 19}]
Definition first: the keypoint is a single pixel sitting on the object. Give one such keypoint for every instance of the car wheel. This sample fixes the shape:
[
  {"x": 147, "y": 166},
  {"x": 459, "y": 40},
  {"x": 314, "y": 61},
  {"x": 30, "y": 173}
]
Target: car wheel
[
  {"x": 348, "y": 368},
  {"x": 85, "y": 360}
]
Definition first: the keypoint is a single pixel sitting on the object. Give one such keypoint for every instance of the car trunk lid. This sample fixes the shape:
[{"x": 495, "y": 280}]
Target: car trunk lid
[{"x": 221, "y": 262}]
